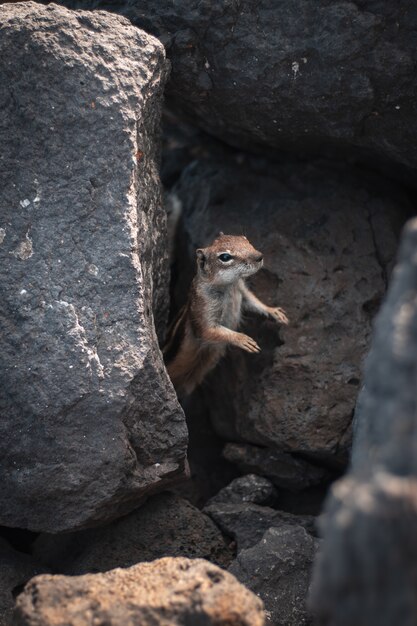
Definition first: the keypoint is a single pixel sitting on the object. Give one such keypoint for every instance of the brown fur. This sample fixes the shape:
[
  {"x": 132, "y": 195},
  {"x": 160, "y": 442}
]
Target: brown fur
[{"x": 207, "y": 324}]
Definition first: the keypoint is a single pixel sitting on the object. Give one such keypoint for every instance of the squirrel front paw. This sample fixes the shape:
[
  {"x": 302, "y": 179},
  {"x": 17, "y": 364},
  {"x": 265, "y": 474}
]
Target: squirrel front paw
[
  {"x": 247, "y": 343},
  {"x": 278, "y": 314}
]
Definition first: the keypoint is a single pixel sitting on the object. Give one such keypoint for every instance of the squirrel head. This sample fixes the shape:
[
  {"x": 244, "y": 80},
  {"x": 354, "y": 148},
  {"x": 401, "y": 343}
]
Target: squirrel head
[{"x": 228, "y": 259}]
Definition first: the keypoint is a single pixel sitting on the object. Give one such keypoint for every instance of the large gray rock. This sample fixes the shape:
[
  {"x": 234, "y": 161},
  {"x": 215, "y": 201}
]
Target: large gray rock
[
  {"x": 89, "y": 421},
  {"x": 328, "y": 236},
  {"x": 308, "y": 76},
  {"x": 174, "y": 591},
  {"x": 16, "y": 568},
  {"x": 278, "y": 570},
  {"x": 366, "y": 574},
  {"x": 165, "y": 525}
]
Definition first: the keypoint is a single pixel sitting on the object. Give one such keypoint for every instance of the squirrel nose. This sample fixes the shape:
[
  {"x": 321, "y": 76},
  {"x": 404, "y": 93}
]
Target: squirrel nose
[{"x": 259, "y": 258}]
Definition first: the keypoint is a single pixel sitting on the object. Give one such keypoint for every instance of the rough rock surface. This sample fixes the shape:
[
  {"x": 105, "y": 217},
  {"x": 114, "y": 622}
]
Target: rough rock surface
[
  {"x": 282, "y": 468},
  {"x": 246, "y": 523},
  {"x": 165, "y": 526},
  {"x": 367, "y": 574},
  {"x": 301, "y": 75},
  {"x": 16, "y": 568},
  {"x": 249, "y": 488},
  {"x": 174, "y": 591},
  {"x": 328, "y": 235},
  {"x": 89, "y": 421},
  {"x": 278, "y": 569}
]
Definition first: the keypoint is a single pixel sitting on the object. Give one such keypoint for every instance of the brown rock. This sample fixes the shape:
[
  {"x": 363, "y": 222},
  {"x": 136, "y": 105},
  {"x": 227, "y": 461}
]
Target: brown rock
[{"x": 167, "y": 592}]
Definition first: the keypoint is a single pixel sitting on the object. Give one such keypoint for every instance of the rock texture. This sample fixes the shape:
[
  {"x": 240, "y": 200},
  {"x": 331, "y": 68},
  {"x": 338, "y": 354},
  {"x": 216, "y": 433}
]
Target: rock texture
[
  {"x": 89, "y": 421},
  {"x": 165, "y": 526},
  {"x": 249, "y": 488},
  {"x": 328, "y": 236},
  {"x": 366, "y": 574},
  {"x": 246, "y": 523},
  {"x": 324, "y": 76},
  {"x": 16, "y": 569},
  {"x": 282, "y": 468},
  {"x": 178, "y": 592},
  {"x": 278, "y": 569}
]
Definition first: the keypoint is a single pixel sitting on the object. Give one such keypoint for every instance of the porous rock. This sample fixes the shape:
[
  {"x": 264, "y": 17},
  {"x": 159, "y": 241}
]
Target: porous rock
[
  {"x": 246, "y": 523},
  {"x": 328, "y": 235},
  {"x": 249, "y": 488},
  {"x": 16, "y": 568},
  {"x": 278, "y": 569},
  {"x": 366, "y": 573},
  {"x": 165, "y": 525},
  {"x": 89, "y": 420},
  {"x": 282, "y": 468},
  {"x": 174, "y": 591},
  {"x": 311, "y": 77}
]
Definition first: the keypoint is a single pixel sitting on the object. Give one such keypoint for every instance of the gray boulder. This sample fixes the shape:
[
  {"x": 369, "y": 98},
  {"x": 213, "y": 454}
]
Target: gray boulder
[
  {"x": 306, "y": 76},
  {"x": 278, "y": 570},
  {"x": 89, "y": 420},
  {"x": 366, "y": 574},
  {"x": 165, "y": 525},
  {"x": 174, "y": 591},
  {"x": 329, "y": 237}
]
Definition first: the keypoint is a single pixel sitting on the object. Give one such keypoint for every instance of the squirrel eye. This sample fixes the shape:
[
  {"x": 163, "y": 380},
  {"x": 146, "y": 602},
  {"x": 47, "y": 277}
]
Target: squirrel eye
[{"x": 225, "y": 257}]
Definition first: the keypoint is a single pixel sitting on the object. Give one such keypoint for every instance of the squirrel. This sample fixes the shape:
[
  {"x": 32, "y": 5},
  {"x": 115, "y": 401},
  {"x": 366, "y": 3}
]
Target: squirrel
[{"x": 207, "y": 323}]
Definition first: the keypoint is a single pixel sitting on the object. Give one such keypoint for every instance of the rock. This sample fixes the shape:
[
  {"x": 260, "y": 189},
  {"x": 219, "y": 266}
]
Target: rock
[
  {"x": 249, "y": 488},
  {"x": 278, "y": 570},
  {"x": 246, "y": 523},
  {"x": 334, "y": 77},
  {"x": 329, "y": 236},
  {"x": 366, "y": 574},
  {"x": 16, "y": 568},
  {"x": 165, "y": 526},
  {"x": 283, "y": 469},
  {"x": 175, "y": 591},
  {"x": 89, "y": 420}
]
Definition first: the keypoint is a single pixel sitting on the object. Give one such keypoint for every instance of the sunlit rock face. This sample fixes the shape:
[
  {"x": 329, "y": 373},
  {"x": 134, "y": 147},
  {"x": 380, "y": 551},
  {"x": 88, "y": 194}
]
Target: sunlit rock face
[
  {"x": 175, "y": 591},
  {"x": 89, "y": 420}
]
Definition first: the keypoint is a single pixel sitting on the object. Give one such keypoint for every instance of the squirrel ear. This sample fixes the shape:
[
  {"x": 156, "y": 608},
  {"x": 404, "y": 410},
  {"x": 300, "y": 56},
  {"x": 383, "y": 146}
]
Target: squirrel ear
[
  {"x": 201, "y": 258},
  {"x": 221, "y": 233}
]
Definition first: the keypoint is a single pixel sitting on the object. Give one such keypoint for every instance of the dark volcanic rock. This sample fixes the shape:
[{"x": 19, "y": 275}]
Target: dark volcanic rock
[
  {"x": 165, "y": 526},
  {"x": 178, "y": 592},
  {"x": 16, "y": 569},
  {"x": 308, "y": 76},
  {"x": 89, "y": 421},
  {"x": 328, "y": 236},
  {"x": 367, "y": 574},
  {"x": 246, "y": 523},
  {"x": 249, "y": 488},
  {"x": 283, "y": 469},
  {"x": 278, "y": 570}
]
